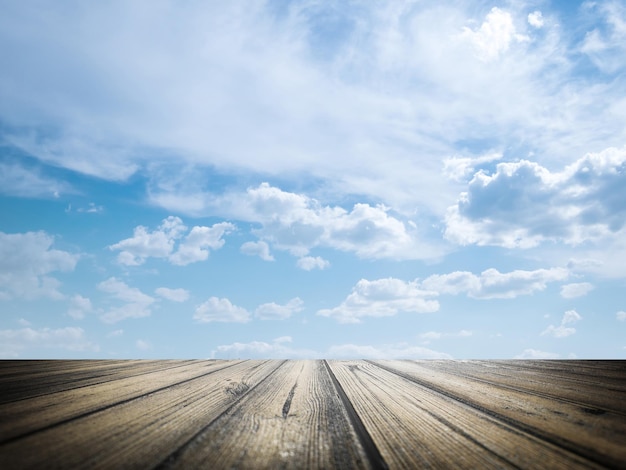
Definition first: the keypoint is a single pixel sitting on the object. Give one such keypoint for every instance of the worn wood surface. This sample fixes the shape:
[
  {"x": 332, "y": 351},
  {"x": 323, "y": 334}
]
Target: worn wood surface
[{"x": 312, "y": 414}]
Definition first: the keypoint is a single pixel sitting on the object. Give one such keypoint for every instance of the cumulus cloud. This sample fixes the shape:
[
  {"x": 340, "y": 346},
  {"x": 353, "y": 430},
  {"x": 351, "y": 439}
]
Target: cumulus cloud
[
  {"x": 492, "y": 284},
  {"x": 621, "y": 316},
  {"x": 79, "y": 306},
  {"x": 15, "y": 342},
  {"x": 563, "y": 331},
  {"x": 535, "y": 19},
  {"x": 524, "y": 204},
  {"x": 136, "y": 304},
  {"x": 494, "y": 36},
  {"x": 297, "y": 223},
  {"x": 160, "y": 243},
  {"x": 26, "y": 260},
  {"x": 220, "y": 310},
  {"x": 273, "y": 311},
  {"x": 578, "y": 289},
  {"x": 536, "y": 354},
  {"x": 175, "y": 295},
  {"x": 382, "y": 298},
  {"x": 308, "y": 263},
  {"x": 260, "y": 249}
]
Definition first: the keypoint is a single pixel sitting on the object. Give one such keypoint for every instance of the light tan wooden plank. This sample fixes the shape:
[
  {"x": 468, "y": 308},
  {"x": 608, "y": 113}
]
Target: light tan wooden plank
[
  {"x": 22, "y": 417},
  {"x": 292, "y": 420},
  {"x": 415, "y": 427},
  {"x": 597, "y": 437},
  {"x": 32, "y": 380},
  {"x": 140, "y": 433}
]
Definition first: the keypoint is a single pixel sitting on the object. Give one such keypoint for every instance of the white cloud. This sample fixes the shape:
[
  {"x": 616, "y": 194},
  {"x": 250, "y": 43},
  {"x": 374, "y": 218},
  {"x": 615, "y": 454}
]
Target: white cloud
[
  {"x": 297, "y": 223},
  {"x": 492, "y": 284},
  {"x": 260, "y": 249},
  {"x": 220, "y": 310},
  {"x": 605, "y": 44},
  {"x": 17, "y": 180},
  {"x": 195, "y": 247},
  {"x": 14, "y": 342},
  {"x": 393, "y": 351},
  {"x": 143, "y": 345},
  {"x": 578, "y": 289},
  {"x": 79, "y": 306},
  {"x": 524, "y": 204},
  {"x": 160, "y": 243},
  {"x": 175, "y": 295},
  {"x": 115, "y": 333},
  {"x": 435, "y": 335},
  {"x": 308, "y": 263},
  {"x": 136, "y": 303},
  {"x": 535, "y": 19},
  {"x": 536, "y": 354},
  {"x": 273, "y": 311},
  {"x": 621, "y": 316},
  {"x": 145, "y": 244},
  {"x": 494, "y": 36},
  {"x": 382, "y": 298},
  {"x": 562, "y": 331},
  {"x": 277, "y": 349},
  {"x": 372, "y": 88},
  {"x": 459, "y": 168},
  {"x": 26, "y": 260}
]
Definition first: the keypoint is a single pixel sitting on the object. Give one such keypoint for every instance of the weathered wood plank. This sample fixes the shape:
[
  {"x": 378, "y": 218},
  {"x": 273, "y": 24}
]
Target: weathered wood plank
[
  {"x": 598, "y": 437},
  {"x": 31, "y": 380},
  {"x": 417, "y": 427},
  {"x": 294, "y": 419},
  {"x": 574, "y": 381},
  {"x": 309, "y": 414},
  {"x": 139, "y": 433},
  {"x": 26, "y": 416}
]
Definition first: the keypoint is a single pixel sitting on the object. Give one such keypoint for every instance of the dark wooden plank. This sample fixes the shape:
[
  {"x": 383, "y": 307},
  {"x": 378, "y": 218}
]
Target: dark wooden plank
[
  {"x": 294, "y": 419},
  {"x": 417, "y": 427},
  {"x": 27, "y": 416},
  {"x": 596, "y": 436},
  {"x": 137, "y": 433}
]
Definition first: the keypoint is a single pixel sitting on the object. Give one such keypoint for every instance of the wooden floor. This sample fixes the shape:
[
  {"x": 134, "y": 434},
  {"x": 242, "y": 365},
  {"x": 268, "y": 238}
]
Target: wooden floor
[{"x": 312, "y": 414}]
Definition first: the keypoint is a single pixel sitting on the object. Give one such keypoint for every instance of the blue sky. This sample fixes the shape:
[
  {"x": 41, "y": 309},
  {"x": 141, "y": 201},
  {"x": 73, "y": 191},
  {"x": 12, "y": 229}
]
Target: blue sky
[{"x": 313, "y": 179}]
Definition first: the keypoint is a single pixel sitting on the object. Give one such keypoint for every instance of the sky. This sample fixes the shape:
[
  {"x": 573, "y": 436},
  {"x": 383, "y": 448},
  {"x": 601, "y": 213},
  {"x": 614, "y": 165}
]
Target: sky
[{"x": 313, "y": 179}]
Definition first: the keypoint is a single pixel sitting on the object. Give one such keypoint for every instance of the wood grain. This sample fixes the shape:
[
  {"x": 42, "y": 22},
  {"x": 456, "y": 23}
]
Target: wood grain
[{"x": 312, "y": 414}]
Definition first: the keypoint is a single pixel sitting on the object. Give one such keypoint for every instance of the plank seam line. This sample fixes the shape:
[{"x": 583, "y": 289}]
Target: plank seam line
[
  {"x": 574, "y": 448},
  {"x": 369, "y": 446},
  {"x": 454, "y": 427},
  {"x": 172, "y": 457},
  {"x": 78, "y": 387},
  {"x": 109, "y": 406}
]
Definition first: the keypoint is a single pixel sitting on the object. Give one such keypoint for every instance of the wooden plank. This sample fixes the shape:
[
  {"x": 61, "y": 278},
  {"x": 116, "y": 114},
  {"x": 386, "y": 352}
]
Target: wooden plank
[
  {"x": 598, "y": 437},
  {"x": 29, "y": 380},
  {"x": 572, "y": 381},
  {"x": 293, "y": 420},
  {"x": 142, "y": 432},
  {"x": 26, "y": 416},
  {"x": 417, "y": 427}
]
